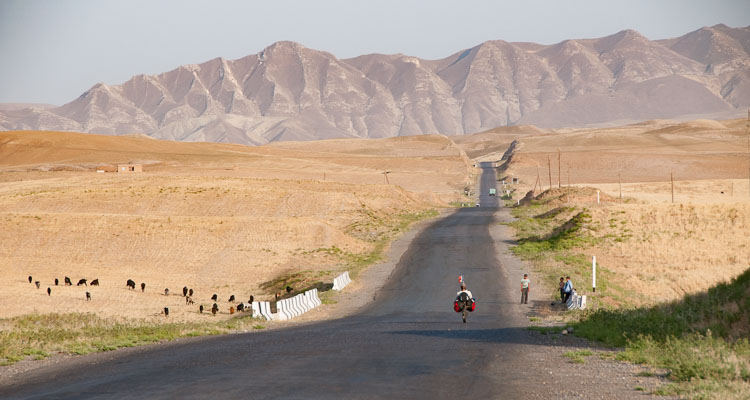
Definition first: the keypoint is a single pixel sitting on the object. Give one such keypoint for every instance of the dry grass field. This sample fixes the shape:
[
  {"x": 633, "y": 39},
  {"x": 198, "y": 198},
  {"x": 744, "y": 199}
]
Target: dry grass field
[
  {"x": 216, "y": 218},
  {"x": 655, "y": 250}
]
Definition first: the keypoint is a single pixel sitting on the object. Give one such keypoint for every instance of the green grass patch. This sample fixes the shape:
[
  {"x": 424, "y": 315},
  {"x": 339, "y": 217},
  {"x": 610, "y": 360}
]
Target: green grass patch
[
  {"x": 701, "y": 340},
  {"x": 578, "y": 356},
  {"x": 38, "y": 336}
]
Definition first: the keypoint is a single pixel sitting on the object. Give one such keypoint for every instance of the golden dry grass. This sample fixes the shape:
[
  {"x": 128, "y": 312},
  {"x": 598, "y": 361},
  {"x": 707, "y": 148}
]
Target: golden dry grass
[
  {"x": 663, "y": 250},
  {"x": 216, "y": 218}
]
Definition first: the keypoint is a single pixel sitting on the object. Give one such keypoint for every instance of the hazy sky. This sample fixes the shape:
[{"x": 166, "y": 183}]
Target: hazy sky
[{"x": 52, "y": 51}]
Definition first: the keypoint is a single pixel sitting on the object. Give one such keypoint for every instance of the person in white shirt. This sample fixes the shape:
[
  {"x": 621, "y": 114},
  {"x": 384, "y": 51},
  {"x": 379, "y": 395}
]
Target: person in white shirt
[
  {"x": 464, "y": 290},
  {"x": 525, "y": 289}
]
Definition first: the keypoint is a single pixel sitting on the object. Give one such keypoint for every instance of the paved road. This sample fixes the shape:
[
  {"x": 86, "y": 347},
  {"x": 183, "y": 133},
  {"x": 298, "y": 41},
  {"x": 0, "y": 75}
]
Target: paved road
[{"x": 409, "y": 343}]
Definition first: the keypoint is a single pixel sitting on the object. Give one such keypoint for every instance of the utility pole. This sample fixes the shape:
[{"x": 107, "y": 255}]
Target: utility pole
[
  {"x": 549, "y": 169},
  {"x": 559, "y": 170}
]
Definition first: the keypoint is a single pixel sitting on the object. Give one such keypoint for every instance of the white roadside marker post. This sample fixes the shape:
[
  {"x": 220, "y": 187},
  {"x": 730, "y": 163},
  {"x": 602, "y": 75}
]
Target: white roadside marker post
[{"x": 593, "y": 274}]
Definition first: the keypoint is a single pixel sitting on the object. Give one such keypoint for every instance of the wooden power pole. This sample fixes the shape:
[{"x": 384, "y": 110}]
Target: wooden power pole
[
  {"x": 559, "y": 170},
  {"x": 549, "y": 169}
]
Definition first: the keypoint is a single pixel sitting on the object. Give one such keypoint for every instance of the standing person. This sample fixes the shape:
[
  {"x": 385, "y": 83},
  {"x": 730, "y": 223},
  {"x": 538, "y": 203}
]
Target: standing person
[
  {"x": 525, "y": 289},
  {"x": 568, "y": 289},
  {"x": 562, "y": 288}
]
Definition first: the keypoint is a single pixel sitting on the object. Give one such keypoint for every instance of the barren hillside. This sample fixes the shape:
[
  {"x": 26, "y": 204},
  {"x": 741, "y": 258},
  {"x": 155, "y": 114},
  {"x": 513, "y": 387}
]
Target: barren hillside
[
  {"x": 216, "y": 218},
  {"x": 290, "y": 92}
]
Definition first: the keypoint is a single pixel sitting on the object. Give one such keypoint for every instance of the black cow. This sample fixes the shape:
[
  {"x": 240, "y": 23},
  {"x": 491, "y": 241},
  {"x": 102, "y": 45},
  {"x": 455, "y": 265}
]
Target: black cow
[
  {"x": 190, "y": 292},
  {"x": 184, "y": 291},
  {"x": 200, "y": 309},
  {"x": 215, "y": 297},
  {"x": 189, "y": 300},
  {"x": 95, "y": 282},
  {"x": 215, "y": 309},
  {"x": 252, "y": 298},
  {"x": 68, "y": 282},
  {"x": 130, "y": 284},
  {"x": 56, "y": 282},
  {"x": 82, "y": 282},
  {"x": 143, "y": 286},
  {"x": 240, "y": 307},
  {"x": 30, "y": 279},
  {"x": 166, "y": 311},
  {"x": 231, "y": 298},
  {"x": 49, "y": 291},
  {"x": 88, "y": 296},
  {"x": 37, "y": 284},
  {"x": 289, "y": 289},
  {"x": 166, "y": 292}
]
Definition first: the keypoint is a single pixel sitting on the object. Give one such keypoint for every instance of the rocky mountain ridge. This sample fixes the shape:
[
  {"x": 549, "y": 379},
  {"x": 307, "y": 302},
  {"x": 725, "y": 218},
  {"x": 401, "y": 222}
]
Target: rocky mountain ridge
[{"x": 290, "y": 92}]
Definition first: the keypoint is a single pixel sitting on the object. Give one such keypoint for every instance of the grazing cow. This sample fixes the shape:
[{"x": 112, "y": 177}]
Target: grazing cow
[
  {"x": 240, "y": 307},
  {"x": 214, "y": 309},
  {"x": 200, "y": 309},
  {"x": 184, "y": 291},
  {"x": 95, "y": 282},
  {"x": 56, "y": 282},
  {"x": 252, "y": 298},
  {"x": 49, "y": 291},
  {"x": 189, "y": 300},
  {"x": 166, "y": 311},
  {"x": 82, "y": 282},
  {"x": 68, "y": 282},
  {"x": 88, "y": 296},
  {"x": 30, "y": 279},
  {"x": 143, "y": 286},
  {"x": 190, "y": 292},
  {"x": 289, "y": 289},
  {"x": 37, "y": 284},
  {"x": 231, "y": 310},
  {"x": 231, "y": 298},
  {"x": 215, "y": 297},
  {"x": 131, "y": 284},
  {"x": 166, "y": 292}
]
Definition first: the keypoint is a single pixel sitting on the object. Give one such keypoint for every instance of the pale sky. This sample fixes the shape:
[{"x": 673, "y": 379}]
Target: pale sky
[{"x": 52, "y": 51}]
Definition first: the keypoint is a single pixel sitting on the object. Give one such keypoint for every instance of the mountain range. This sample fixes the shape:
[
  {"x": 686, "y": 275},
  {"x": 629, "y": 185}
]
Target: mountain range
[{"x": 290, "y": 92}]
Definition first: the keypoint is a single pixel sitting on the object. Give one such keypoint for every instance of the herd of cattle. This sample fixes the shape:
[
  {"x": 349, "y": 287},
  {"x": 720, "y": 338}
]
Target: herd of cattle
[{"x": 187, "y": 293}]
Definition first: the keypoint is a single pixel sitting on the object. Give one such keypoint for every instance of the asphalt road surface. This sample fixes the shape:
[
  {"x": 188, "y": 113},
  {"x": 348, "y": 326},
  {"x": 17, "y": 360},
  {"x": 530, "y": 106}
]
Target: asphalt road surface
[{"x": 409, "y": 343}]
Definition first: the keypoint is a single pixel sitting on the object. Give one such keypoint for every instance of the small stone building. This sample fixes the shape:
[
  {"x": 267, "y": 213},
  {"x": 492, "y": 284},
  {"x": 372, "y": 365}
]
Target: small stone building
[{"x": 129, "y": 168}]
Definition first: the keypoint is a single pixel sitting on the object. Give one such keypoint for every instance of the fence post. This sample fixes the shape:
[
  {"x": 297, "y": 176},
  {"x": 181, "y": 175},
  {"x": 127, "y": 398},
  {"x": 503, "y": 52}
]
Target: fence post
[{"x": 593, "y": 274}]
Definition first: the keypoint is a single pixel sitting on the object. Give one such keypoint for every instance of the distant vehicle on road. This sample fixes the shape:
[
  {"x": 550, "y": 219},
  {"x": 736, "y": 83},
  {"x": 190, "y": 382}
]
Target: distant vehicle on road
[{"x": 493, "y": 192}]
